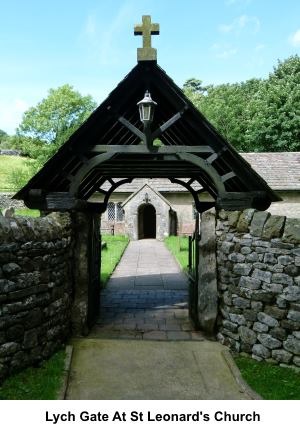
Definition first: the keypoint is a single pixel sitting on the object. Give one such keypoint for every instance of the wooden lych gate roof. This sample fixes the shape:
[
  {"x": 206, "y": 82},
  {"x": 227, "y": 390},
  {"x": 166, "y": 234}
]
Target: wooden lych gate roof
[{"x": 104, "y": 150}]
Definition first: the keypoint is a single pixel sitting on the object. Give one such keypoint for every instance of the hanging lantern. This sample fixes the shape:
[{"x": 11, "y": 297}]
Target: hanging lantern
[{"x": 146, "y": 109}]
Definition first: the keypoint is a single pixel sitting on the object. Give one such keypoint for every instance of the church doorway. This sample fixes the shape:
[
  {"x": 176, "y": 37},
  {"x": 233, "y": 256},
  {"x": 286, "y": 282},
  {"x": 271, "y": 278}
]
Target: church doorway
[{"x": 147, "y": 222}]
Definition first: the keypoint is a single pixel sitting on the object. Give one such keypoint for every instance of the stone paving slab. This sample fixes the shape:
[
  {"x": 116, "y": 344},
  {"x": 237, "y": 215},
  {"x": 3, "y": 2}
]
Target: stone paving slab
[
  {"x": 148, "y": 294},
  {"x": 144, "y": 345},
  {"x": 127, "y": 369}
]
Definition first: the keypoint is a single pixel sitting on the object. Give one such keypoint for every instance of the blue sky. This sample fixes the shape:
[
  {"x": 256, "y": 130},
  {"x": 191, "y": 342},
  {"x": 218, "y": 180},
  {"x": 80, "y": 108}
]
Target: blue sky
[{"x": 90, "y": 44}]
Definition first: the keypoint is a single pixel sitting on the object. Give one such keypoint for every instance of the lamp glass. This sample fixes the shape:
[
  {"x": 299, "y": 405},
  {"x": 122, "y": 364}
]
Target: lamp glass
[{"x": 146, "y": 108}]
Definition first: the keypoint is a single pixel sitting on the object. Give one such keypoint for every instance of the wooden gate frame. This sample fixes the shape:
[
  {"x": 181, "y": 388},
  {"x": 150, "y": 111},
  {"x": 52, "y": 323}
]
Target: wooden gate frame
[{"x": 108, "y": 151}]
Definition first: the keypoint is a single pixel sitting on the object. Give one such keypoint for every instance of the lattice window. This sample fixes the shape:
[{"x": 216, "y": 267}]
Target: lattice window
[
  {"x": 120, "y": 212},
  {"x": 111, "y": 211}
]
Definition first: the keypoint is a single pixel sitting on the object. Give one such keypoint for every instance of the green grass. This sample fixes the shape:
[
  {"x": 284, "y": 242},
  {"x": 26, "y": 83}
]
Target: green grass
[
  {"x": 179, "y": 246},
  {"x": 272, "y": 382},
  {"x": 36, "y": 383},
  {"x": 28, "y": 212},
  {"x": 9, "y": 164},
  {"x": 111, "y": 255}
]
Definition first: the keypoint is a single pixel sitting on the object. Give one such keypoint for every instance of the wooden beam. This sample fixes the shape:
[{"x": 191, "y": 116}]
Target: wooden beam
[
  {"x": 131, "y": 127},
  {"x": 211, "y": 172},
  {"x": 142, "y": 149},
  {"x": 243, "y": 200},
  {"x": 167, "y": 124},
  {"x": 62, "y": 201},
  {"x": 227, "y": 176}
]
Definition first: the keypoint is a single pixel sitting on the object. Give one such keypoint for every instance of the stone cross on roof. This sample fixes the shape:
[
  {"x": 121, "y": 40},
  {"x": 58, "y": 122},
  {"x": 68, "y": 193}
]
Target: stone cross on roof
[{"x": 146, "y": 53}]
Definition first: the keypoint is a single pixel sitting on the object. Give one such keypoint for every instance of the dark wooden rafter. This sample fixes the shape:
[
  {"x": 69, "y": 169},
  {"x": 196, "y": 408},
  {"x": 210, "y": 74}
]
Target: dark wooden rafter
[
  {"x": 201, "y": 206},
  {"x": 176, "y": 152},
  {"x": 74, "y": 186},
  {"x": 114, "y": 187},
  {"x": 227, "y": 176},
  {"x": 207, "y": 168},
  {"x": 90, "y": 185},
  {"x": 240, "y": 200},
  {"x": 108, "y": 146},
  {"x": 60, "y": 201},
  {"x": 142, "y": 149},
  {"x": 160, "y": 130}
]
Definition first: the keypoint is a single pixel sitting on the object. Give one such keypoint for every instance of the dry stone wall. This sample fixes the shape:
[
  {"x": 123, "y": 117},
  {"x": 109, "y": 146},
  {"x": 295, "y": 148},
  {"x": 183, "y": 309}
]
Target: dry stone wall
[
  {"x": 258, "y": 258},
  {"x": 6, "y": 201},
  {"x": 35, "y": 288}
]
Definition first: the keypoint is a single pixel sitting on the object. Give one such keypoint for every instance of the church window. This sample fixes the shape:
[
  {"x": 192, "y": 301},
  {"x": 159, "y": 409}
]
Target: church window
[
  {"x": 120, "y": 212},
  {"x": 111, "y": 213},
  {"x": 115, "y": 211}
]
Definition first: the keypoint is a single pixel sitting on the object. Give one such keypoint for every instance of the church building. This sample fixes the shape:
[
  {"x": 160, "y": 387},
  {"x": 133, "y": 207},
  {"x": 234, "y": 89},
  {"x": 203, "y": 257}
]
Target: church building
[{"x": 156, "y": 208}]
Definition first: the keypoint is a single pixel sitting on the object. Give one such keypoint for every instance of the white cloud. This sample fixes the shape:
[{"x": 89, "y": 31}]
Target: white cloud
[
  {"x": 11, "y": 113},
  {"x": 295, "y": 38},
  {"x": 224, "y": 51},
  {"x": 251, "y": 23}
]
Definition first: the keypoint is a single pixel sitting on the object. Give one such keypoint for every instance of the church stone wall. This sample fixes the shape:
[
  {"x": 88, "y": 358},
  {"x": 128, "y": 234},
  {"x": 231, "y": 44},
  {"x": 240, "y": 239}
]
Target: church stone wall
[
  {"x": 290, "y": 205},
  {"x": 258, "y": 259},
  {"x": 35, "y": 289},
  {"x": 182, "y": 203},
  {"x": 162, "y": 213}
]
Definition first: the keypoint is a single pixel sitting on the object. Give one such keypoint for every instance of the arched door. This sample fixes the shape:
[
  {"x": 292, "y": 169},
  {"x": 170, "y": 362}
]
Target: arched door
[{"x": 147, "y": 222}]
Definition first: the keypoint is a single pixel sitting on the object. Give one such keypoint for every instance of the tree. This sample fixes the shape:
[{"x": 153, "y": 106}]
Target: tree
[
  {"x": 54, "y": 119},
  {"x": 256, "y": 115},
  {"x": 3, "y": 136},
  {"x": 194, "y": 89},
  {"x": 45, "y": 127},
  {"x": 275, "y": 112}
]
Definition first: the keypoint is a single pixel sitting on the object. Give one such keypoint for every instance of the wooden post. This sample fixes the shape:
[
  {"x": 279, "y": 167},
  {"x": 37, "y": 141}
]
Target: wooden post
[{"x": 87, "y": 256}]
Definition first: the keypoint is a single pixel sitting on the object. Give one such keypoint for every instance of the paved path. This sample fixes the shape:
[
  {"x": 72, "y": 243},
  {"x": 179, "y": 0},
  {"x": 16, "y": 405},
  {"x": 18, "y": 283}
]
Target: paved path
[
  {"x": 143, "y": 346},
  {"x": 116, "y": 369},
  {"x": 146, "y": 297}
]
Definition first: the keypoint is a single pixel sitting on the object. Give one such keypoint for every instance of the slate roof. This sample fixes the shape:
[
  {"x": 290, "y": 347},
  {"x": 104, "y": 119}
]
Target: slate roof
[
  {"x": 146, "y": 186},
  {"x": 281, "y": 170}
]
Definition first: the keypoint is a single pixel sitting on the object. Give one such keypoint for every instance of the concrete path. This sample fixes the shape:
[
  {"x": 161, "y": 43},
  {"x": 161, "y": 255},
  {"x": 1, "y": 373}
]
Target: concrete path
[
  {"x": 144, "y": 346},
  {"x": 114, "y": 369}
]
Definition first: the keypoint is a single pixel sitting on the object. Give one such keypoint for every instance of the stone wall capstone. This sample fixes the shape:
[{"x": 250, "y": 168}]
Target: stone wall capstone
[
  {"x": 6, "y": 201},
  {"x": 35, "y": 288},
  {"x": 258, "y": 257}
]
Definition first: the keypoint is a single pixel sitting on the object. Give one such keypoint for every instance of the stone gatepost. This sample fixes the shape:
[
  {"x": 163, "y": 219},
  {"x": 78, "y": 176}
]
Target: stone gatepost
[
  {"x": 86, "y": 271},
  {"x": 207, "y": 273}
]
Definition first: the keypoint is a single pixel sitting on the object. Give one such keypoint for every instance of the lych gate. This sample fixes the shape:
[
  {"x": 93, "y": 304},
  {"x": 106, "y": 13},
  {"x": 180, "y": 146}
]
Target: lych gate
[{"x": 112, "y": 148}]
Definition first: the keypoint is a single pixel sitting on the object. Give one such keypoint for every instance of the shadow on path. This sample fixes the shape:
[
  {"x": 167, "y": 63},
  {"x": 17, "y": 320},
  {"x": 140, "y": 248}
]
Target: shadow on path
[{"x": 146, "y": 297}]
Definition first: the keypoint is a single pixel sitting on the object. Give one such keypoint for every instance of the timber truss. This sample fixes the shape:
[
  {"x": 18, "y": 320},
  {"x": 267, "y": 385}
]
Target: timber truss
[{"x": 108, "y": 151}]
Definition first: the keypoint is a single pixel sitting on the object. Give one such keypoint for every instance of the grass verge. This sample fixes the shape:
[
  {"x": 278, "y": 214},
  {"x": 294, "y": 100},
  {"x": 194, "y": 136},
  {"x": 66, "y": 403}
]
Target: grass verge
[
  {"x": 28, "y": 212},
  {"x": 8, "y": 165},
  {"x": 272, "y": 382},
  {"x": 111, "y": 255},
  {"x": 36, "y": 383},
  {"x": 179, "y": 247}
]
